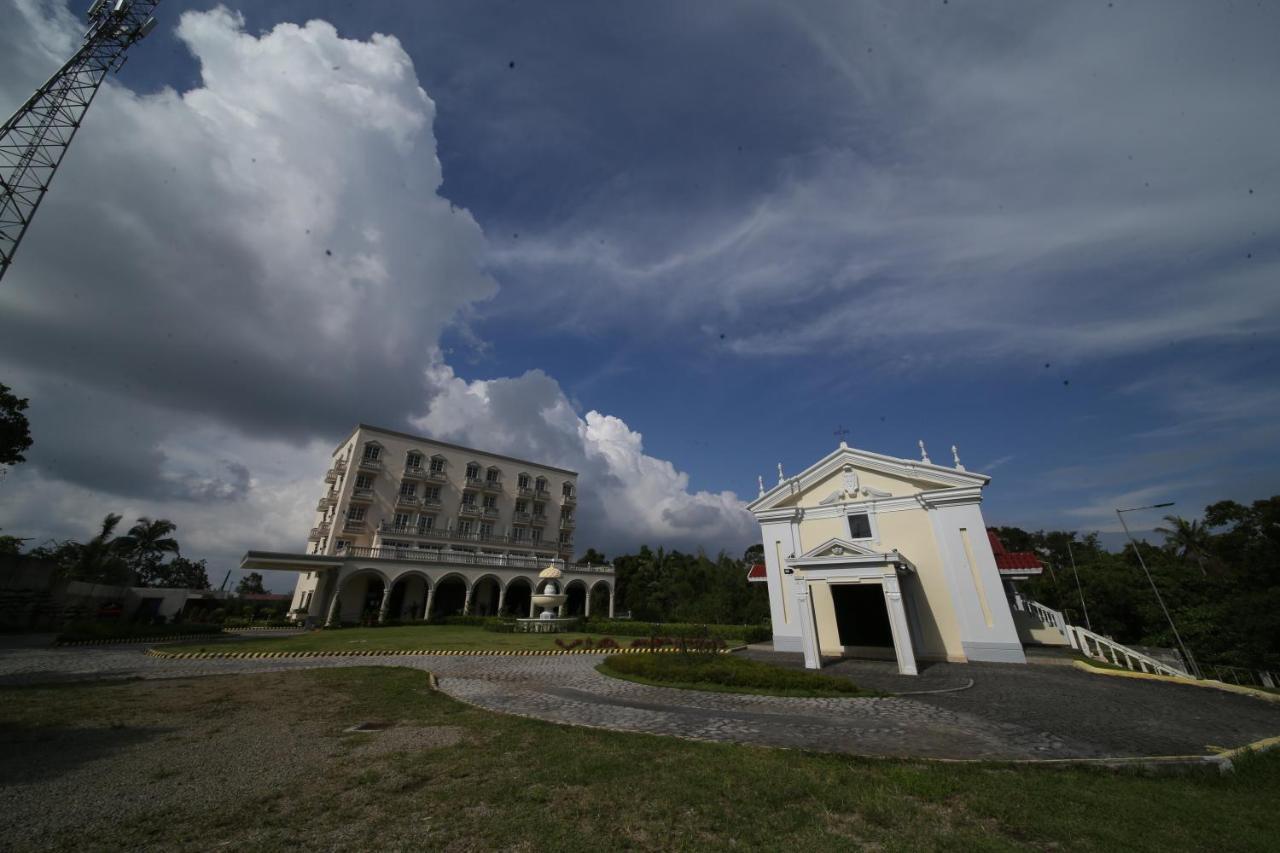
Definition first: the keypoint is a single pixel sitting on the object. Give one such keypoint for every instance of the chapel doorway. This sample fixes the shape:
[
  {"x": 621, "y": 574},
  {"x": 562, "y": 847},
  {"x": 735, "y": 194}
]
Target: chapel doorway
[{"x": 862, "y": 619}]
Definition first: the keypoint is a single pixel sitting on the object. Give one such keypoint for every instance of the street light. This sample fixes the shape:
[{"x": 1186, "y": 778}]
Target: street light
[{"x": 1181, "y": 645}]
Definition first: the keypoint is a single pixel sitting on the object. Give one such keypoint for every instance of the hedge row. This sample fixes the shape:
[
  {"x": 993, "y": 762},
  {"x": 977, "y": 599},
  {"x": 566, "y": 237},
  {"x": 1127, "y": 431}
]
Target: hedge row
[
  {"x": 117, "y": 631},
  {"x": 727, "y": 671},
  {"x": 627, "y": 628}
]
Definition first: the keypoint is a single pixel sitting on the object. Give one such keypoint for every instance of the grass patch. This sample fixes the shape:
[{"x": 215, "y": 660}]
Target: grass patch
[
  {"x": 128, "y": 631},
  {"x": 726, "y": 674},
  {"x": 397, "y": 638},
  {"x": 262, "y": 762}
]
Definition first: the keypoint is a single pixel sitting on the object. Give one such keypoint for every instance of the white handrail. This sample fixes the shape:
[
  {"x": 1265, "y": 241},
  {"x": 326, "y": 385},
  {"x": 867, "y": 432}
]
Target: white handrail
[{"x": 1097, "y": 647}]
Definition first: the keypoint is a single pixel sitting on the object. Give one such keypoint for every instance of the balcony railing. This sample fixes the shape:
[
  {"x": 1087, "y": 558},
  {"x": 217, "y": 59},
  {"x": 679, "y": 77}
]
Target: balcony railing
[
  {"x": 331, "y": 476},
  {"x": 388, "y": 528},
  {"x": 351, "y": 526},
  {"x": 437, "y": 475},
  {"x": 415, "y": 472},
  {"x": 491, "y": 511},
  {"x": 524, "y": 491},
  {"x": 431, "y": 502},
  {"x": 469, "y": 509},
  {"x": 492, "y": 485},
  {"x": 474, "y": 482},
  {"x": 361, "y": 495},
  {"x": 406, "y": 500},
  {"x": 447, "y": 555},
  {"x": 522, "y": 518},
  {"x": 566, "y": 522},
  {"x": 539, "y": 519},
  {"x": 370, "y": 464},
  {"x": 318, "y": 532},
  {"x": 570, "y": 498},
  {"x": 542, "y": 494}
]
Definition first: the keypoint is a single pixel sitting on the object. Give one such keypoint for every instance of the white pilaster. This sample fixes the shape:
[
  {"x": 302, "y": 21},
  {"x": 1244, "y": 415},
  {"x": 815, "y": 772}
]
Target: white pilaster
[
  {"x": 898, "y": 625},
  {"x": 808, "y": 627}
]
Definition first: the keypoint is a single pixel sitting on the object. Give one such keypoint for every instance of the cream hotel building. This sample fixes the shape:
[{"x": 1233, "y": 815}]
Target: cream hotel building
[{"x": 407, "y": 527}]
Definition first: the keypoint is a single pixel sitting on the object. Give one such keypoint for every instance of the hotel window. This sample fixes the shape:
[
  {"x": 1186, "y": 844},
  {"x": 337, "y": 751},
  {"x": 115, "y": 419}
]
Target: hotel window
[
  {"x": 473, "y": 471},
  {"x": 565, "y": 537},
  {"x": 403, "y": 519},
  {"x": 540, "y": 484},
  {"x": 464, "y": 525},
  {"x": 486, "y": 528},
  {"x": 860, "y": 526},
  {"x": 408, "y": 489},
  {"x": 539, "y": 509},
  {"x": 342, "y": 545},
  {"x": 355, "y": 513},
  {"x": 413, "y": 460},
  {"x": 468, "y": 498},
  {"x": 490, "y": 501},
  {"x": 437, "y": 464},
  {"x": 492, "y": 475},
  {"x": 523, "y": 481},
  {"x": 522, "y": 506},
  {"x": 536, "y": 534},
  {"x": 432, "y": 493},
  {"x": 426, "y": 522},
  {"x": 364, "y": 481},
  {"x": 372, "y": 452},
  {"x": 567, "y": 490},
  {"x": 518, "y": 533}
]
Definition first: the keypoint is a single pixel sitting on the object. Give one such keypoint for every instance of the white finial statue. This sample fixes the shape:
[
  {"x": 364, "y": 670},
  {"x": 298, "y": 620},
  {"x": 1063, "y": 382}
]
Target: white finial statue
[
  {"x": 924, "y": 454},
  {"x": 955, "y": 455},
  {"x": 781, "y": 476},
  {"x": 760, "y": 483}
]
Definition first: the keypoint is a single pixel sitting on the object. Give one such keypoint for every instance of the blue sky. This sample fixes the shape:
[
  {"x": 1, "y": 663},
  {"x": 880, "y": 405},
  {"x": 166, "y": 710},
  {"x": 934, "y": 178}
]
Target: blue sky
[{"x": 1044, "y": 233}]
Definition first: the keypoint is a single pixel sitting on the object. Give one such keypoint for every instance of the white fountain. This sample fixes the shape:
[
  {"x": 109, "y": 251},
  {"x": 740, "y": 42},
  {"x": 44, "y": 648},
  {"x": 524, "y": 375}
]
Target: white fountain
[{"x": 550, "y": 599}]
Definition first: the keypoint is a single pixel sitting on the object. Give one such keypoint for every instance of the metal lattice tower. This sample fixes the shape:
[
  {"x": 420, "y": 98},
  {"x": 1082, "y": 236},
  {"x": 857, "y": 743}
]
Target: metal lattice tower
[{"x": 34, "y": 139}]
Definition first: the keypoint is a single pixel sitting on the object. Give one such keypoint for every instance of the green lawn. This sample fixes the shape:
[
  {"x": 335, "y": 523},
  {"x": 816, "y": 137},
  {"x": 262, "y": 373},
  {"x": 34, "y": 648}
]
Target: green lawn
[
  {"x": 393, "y": 639},
  {"x": 727, "y": 674},
  {"x": 263, "y": 762}
]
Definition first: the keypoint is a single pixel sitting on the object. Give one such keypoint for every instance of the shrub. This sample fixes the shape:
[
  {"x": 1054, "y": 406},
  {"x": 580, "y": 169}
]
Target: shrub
[
  {"x": 727, "y": 671},
  {"x": 116, "y": 631},
  {"x": 757, "y": 634},
  {"x": 627, "y": 628}
]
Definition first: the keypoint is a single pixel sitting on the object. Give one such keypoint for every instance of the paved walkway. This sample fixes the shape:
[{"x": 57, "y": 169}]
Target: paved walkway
[{"x": 1008, "y": 712}]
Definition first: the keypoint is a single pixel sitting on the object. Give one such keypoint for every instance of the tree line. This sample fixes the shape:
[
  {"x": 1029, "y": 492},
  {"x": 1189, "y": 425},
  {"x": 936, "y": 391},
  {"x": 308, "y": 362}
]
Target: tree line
[
  {"x": 1220, "y": 579},
  {"x": 672, "y": 586}
]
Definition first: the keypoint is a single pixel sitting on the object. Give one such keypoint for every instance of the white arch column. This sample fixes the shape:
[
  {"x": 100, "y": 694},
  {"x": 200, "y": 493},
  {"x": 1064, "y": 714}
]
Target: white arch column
[
  {"x": 466, "y": 602},
  {"x": 385, "y": 608},
  {"x": 431, "y": 594},
  {"x": 586, "y": 605},
  {"x": 898, "y": 624},
  {"x": 502, "y": 596},
  {"x": 335, "y": 603},
  {"x": 611, "y": 601}
]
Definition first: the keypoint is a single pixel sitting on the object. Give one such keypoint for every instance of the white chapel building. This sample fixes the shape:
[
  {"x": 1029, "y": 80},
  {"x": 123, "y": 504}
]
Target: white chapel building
[{"x": 874, "y": 555}]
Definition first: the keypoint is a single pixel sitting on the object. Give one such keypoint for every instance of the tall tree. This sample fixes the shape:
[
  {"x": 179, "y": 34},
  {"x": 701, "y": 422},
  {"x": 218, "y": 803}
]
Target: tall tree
[
  {"x": 146, "y": 544},
  {"x": 178, "y": 573},
  {"x": 15, "y": 432},
  {"x": 250, "y": 584},
  {"x": 99, "y": 560},
  {"x": 1187, "y": 539}
]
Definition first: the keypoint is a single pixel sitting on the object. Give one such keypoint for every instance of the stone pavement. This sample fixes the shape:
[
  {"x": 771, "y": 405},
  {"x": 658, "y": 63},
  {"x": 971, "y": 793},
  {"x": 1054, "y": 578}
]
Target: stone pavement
[{"x": 1008, "y": 712}]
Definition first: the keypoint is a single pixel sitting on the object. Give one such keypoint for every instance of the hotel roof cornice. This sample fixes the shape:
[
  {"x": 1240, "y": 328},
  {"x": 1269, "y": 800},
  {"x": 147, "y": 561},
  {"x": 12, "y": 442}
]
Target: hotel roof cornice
[{"x": 412, "y": 437}]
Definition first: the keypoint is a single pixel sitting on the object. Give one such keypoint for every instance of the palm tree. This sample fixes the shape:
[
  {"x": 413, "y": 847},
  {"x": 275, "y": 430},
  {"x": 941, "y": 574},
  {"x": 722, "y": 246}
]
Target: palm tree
[
  {"x": 148, "y": 541},
  {"x": 1186, "y": 539},
  {"x": 98, "y": 560}
]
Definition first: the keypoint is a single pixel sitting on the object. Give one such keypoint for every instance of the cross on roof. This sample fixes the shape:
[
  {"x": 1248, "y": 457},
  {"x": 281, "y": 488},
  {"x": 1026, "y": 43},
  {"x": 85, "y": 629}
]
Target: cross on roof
[{"x": 841, "y": 433}]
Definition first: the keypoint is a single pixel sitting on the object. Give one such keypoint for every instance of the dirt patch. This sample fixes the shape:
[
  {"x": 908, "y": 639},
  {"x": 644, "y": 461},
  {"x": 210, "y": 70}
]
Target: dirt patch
[{"x": 407, "y": 738}]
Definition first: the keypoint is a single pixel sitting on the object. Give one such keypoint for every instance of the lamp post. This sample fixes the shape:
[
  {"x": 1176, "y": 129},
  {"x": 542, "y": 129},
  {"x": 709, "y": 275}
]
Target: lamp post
[
  {"x": 1181, "y": 645},
  {"x": 1079, "y": 589}
]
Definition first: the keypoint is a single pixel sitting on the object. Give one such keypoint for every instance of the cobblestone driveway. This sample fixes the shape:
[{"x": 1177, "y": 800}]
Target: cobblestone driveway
[{"x": 1009, "y": 713}]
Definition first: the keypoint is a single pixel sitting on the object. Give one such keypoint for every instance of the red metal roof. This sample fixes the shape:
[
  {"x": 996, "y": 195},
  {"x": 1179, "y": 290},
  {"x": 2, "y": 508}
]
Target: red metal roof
[
  {"x": 1015, "y": 562},
  {"x": 757, "y": 573}
]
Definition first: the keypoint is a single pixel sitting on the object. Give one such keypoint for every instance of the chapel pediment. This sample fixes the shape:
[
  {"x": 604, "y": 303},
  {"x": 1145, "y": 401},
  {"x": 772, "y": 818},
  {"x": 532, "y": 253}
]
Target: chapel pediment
[{"x": 838, "y": 547}]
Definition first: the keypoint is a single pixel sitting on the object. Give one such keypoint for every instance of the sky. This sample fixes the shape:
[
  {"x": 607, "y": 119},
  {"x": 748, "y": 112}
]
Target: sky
[{"x": 667, "y": 245}]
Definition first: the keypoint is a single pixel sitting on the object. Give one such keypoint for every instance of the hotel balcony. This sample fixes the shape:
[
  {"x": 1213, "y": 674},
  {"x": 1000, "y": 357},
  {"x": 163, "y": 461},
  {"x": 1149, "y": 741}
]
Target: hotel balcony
[
  {"x": 406, "y": 500},
  {"x": 491, "y": 511},
  {"x": 418, "y": 473},
  {"x": 370, "y": 464},
  {"x": 474, "y": 482},
  {"x": 318, "y": 532},
  {"x": 569, "y": 499},
  {"x": 445, "y": 555},
  {"x": 325, "y": 501},
  {"x": 350, "y": 526},
  {"x": 492, "y": 485},
  {"x": 542, "y": 495},
  {"x": 524, "y": 491},
  {"x": 338, "y": 469},
  {"x": 522, "y": 518},
  {"x": 431, "y": 503},
  {"x": 361, "y": 496},
  {"x": 539, "y": 520},
  {"x": 566, "y": 522},
  {"x": 438, "y": 476},
  {"x": 469, "y": 509}
]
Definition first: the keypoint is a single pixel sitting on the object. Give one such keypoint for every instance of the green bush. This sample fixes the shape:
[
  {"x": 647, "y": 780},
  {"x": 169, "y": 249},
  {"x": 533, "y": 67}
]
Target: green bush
[
  {"x": 721, "y": 670},
  {"x": 500, "y": 626},
  {"x": 627, "y": 628},
  {"x": 245, "y": 622},
  {"x": 757, "y": 634},
  {"x": 117, "y": 631}
]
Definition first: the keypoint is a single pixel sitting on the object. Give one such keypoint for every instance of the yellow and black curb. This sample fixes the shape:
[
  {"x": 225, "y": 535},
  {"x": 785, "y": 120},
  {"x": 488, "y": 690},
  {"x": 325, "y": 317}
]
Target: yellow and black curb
[
  {"x": 1169, "y": 679},
  {"x": 175, "y": 638},
  {"x": 367, "y": 653}
]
